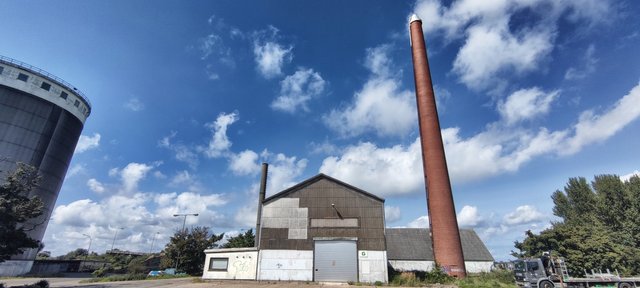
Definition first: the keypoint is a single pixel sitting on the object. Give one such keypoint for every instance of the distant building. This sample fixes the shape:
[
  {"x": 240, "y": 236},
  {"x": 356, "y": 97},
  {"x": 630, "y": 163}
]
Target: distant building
[
  {"x": 41, "y": 118},
  {"x": 325, "y": 230},
  {"x": 410, "y": 249}
]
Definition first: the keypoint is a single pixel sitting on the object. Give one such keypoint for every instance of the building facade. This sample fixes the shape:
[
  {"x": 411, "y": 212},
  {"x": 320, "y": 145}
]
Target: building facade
[
  {"x": 41, "y": 118},
  {"x": 322, "y": 230},
  {"x": 411, "y": 249}
]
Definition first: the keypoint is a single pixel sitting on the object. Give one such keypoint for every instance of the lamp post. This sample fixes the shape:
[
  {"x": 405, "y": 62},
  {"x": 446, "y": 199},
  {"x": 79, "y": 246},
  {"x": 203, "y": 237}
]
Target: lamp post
[
  {"x": 114, "y": 237},
  {"x": 184, "y": 221},
  {"x": 152, "y": 241},
  {"x": 88, "y": 249}
]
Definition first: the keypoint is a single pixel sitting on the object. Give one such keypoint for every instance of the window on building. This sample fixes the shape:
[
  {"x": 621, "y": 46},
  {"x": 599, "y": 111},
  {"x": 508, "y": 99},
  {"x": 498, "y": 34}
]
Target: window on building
[
  {"x": 1, "y": 69},
  {"x": 45, "y": 86},
  {"x": 23, "y": 77},
  {"x": 218, "y": 264},
  {"x": 77, "y": 103},
  {"x": 64, "y": 95}
]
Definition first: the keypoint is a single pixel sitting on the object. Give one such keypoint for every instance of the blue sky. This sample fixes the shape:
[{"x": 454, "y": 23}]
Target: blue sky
[{"x": 189, "y": 97}]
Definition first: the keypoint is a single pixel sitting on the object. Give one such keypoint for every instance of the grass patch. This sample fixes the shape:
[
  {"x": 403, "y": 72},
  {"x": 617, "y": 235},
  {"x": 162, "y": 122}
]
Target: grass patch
[
  {"x": 132, "y": 277},
  {"x": 495, "y": 279},
  {"x": 499, "y": 278}
]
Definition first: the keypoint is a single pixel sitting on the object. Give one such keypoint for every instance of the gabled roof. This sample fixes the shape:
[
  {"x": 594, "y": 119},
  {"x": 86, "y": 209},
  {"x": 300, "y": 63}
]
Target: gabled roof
[
  {"x": 415, "y": 244},
  {"x": 315, "y": 179}
]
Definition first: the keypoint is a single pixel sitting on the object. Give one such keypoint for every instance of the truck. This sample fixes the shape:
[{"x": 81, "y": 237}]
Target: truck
[{"x": 548, "y": 272}]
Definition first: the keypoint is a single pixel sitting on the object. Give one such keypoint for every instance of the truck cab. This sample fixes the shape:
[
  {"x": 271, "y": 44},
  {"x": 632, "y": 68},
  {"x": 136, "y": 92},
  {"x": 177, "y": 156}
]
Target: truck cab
[{"x": 532, "y": 273}]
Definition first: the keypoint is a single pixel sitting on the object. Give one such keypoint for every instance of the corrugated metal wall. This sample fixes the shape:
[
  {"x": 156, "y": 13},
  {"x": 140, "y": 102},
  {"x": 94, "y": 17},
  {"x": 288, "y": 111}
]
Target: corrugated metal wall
[{"x": 335, "y": 261}]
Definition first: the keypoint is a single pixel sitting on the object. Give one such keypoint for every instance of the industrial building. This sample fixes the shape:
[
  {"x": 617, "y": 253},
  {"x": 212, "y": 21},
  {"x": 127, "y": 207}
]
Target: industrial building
[
  {"x": 41, "y": 118},
  {"x": 325, "y": 230}
]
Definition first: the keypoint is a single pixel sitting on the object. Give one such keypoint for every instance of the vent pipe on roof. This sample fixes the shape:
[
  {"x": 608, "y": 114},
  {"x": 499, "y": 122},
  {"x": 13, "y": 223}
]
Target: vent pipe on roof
[{"x": 263, "y": 191}]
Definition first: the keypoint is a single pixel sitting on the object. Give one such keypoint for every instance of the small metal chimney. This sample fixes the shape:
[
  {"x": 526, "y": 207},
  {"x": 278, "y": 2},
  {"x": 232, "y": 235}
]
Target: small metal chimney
[{"x": 263, "y": 191}]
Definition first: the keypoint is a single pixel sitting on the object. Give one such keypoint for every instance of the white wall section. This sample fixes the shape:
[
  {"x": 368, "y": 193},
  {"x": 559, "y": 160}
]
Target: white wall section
[{"x": 286, "y": 265}]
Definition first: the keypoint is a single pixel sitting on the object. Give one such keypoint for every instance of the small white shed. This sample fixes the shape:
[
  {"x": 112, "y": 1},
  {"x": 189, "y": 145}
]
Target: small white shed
[{"x": 231, "y": 263}]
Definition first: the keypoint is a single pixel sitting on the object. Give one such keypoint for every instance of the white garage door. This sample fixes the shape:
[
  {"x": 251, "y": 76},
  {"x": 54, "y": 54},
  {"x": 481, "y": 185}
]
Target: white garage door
[{"x": 335, "y": 261}]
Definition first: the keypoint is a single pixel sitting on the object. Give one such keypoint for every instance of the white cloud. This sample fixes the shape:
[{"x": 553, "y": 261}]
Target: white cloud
[
  {"x": 589, "y": 67},
  {"x": 364, "y": 164},
  {"x": 247, "y": 215},
  {"x": 526, "y": 104},
  {"x": 244, "y": 163},
  {"x": 159, "y": 175},
  {"x": 75, "y": 170},
  {"x": 496, "y": 47},
  {"x": 269, "y": 54},
  {"x": 420, "y": 222},
  {"x": 219, "y": 143},
  {"x": 490, "y": 51},
  {"x": 134, "y": 104},
  {"x": 141, "y": 215},
  {"x": 592, "y": 127},
  {"x": 270, "y": 57},
  {"x": 494, "y": 151},
  {"x": 524, "y": 215},
  {"x": 95, "y": 185},
  {"x": 498, "y": 149},
  {"x": 283, "y": 171},
  {"x": 469, "y": 217},
  {"x": 628, "y": 176},
  {"x": 298, "y": 89},
  {"x": 182, "y": 152},
  {"x": 392, "y": 213},
  {"x": 323, "y": 148},
  {"x": 86, "y": 143},
  {"x": 182, "y": 178},
  {"x": 214, "y": 47},
  {"x": 380, "y": 106},
  {"x": 132, "y": 174}
]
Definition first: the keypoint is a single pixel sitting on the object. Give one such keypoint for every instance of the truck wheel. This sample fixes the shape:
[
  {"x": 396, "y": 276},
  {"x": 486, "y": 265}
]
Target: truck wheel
[
  {"x": 624, "y": 285},
  {"x": 546, "y": 284}
]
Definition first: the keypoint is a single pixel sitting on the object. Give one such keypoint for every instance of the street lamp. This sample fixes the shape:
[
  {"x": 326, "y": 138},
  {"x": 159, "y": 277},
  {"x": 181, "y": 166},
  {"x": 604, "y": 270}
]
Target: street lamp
[
  {"x": 88, "y": 249},
  {"x": 152, "y": 241},
  {"x": 184, "y": 221},
  {"x": 114, "y": 237}
]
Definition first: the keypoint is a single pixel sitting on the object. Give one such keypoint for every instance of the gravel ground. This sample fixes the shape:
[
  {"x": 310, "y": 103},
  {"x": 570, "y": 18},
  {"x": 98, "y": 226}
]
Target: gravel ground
[{"x": 178, "y": 283}]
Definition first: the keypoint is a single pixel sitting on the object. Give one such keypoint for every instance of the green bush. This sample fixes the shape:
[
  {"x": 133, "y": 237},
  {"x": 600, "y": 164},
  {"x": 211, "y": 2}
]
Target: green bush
[{"x": 99, "y": 273}]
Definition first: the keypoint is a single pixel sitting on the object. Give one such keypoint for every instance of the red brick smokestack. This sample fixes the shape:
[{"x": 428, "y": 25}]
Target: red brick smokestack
[{"x": 447, "y": 248}]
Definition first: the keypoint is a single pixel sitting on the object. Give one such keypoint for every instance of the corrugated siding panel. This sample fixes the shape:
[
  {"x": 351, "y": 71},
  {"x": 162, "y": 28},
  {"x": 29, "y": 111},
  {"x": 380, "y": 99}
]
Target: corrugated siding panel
[{"x": 336, "y": 261}]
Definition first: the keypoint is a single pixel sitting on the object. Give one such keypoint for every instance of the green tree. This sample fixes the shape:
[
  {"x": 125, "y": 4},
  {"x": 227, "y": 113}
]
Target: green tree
[
  {"x": 599, "y": 227},
  {"x": 77, "y": 254},
  {"x": 633, "y": 215},
  {"x": 137, "y": 266},
  {"x": 16, "y": 207},
  {"x": 246, "y": 239},
  {"x": 185, "y": 249}
]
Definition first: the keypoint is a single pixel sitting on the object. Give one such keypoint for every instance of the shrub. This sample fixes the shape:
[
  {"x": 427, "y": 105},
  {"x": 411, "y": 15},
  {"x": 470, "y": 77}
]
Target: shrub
[
  {"x": 499, "y": 278},
  {"x": 101, "y": 272}
]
